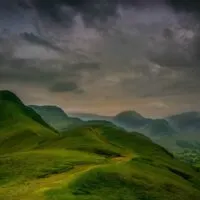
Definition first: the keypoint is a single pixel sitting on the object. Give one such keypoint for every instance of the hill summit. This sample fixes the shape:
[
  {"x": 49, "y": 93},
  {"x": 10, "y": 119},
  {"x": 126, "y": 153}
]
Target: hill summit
[{"x": 6, "y": 95}]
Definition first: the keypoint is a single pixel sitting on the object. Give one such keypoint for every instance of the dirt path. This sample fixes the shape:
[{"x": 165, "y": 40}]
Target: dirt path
[{"x": 34, "y": 190}]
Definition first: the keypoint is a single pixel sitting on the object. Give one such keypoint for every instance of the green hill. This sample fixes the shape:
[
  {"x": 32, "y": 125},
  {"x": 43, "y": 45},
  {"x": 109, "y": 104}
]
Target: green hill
[
  {"x": 93, "y": 161},
  {"x": 13, "y": 108},
  {"x": 56, "y": 117},
  {"x": 20, "y": 126},
  {"x": 97, "y": 161},
  {"x": 125, "y": 119},
  {"x": 178, "y": 133}
]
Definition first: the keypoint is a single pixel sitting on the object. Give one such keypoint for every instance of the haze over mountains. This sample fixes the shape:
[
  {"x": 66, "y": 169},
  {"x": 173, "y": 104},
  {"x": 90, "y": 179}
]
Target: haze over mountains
[
  {"x": 184, "y": 122},
  {"x": 176, "y": 133}
]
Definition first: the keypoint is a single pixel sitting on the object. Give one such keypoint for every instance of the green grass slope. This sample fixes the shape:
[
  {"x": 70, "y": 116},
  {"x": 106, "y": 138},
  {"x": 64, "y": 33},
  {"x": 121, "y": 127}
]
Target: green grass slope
[
  {"x": 20, "y": 126},
  {"x": 97, "y": 161},
  {"x": 56, "y": 117},
  {"x": 143, "y": 170}
]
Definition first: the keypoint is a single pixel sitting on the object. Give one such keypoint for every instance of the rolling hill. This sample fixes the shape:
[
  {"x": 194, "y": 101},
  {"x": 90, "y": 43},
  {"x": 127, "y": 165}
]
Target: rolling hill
[
  {"x": 20, "y": 126},
  {"x": 56, "y": 117},
  {"x": 133, "y": 121},
  {"x": 12, "y": 108},
  {"x": 96, "y": 160},
  {"x": 178, "y": 133}
]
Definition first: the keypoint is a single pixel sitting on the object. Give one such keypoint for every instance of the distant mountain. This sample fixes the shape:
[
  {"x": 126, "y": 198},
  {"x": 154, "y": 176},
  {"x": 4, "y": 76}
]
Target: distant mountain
[
  {"x": 131, "y": 120},
  {"x": 126, "y": 119},
  {"x": 151, "y": 127},
  {"x": 187, "y": 129},
  {"x": 56, "y": 117},
  {"x": 90, "y": 116},
  {"x": 129, "y": 114},
  {"x": 160, "y": 127},
  {"x": 187, "y": 122},
  {"x": 172, "y": 133},
  {"x": 20, "y": 126}
]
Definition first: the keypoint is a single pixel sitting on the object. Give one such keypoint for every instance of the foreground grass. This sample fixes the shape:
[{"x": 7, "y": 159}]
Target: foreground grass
[
  {"x": 23, "y": 166},
  {"x": 94, "y": 161},
  {"x": 125, "y": 181},
  {"x": 24, "y": 173}
]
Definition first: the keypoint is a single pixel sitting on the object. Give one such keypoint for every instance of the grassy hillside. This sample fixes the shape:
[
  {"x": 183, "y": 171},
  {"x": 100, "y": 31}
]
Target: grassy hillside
[
  {"x": 20, "y": 126},
  {"x": 139, "y": 170},
  {"x": 93, "y": 161},
  {"x": 182, "y": 138},
  {"x": 177, "y": 133},
  {"x": 97, "y": 162},
  {"x": 56, "y": 117},
  {"x": 185, "y": 146}
]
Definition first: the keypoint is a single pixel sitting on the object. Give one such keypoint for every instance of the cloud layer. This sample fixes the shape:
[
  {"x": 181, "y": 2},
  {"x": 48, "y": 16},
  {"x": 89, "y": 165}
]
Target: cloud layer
[{"x": 102, "y": 56}]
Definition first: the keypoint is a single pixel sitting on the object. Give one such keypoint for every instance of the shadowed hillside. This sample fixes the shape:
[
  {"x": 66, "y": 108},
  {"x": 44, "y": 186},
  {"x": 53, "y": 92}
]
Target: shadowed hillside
[{"x": 56, "y": 117}]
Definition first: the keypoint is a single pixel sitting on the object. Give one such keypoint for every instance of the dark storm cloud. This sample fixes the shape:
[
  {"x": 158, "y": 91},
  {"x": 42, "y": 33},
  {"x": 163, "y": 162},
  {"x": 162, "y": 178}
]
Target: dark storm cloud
[
  {"x": 66, "y": 87},
  {"x": 63, "y": 10},
  {"x": 190, "y": 6},
  {"x": 120, "y": 49},
  {"x": 37, "y": 40},
  {"x": 25, "y": 71},
  {"x": 91, "y": 10},
  {"x": 52, "y": 74},
  {"x": 85, "y": 66}
]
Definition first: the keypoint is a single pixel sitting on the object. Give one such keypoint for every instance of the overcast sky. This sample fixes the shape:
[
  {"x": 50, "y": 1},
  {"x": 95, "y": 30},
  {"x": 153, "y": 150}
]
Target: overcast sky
[{"x": 101, "y": 56}]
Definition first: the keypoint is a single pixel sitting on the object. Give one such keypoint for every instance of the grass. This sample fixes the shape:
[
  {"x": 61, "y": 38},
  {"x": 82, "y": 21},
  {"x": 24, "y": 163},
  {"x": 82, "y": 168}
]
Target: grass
[
  {"x": 21, "y": 128},
  {"x": 85, "y": 138},
  {"x": 23, "y": 166},
  {"x": 125, "y": 181},
  {"x": 64, "y": 168}
]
